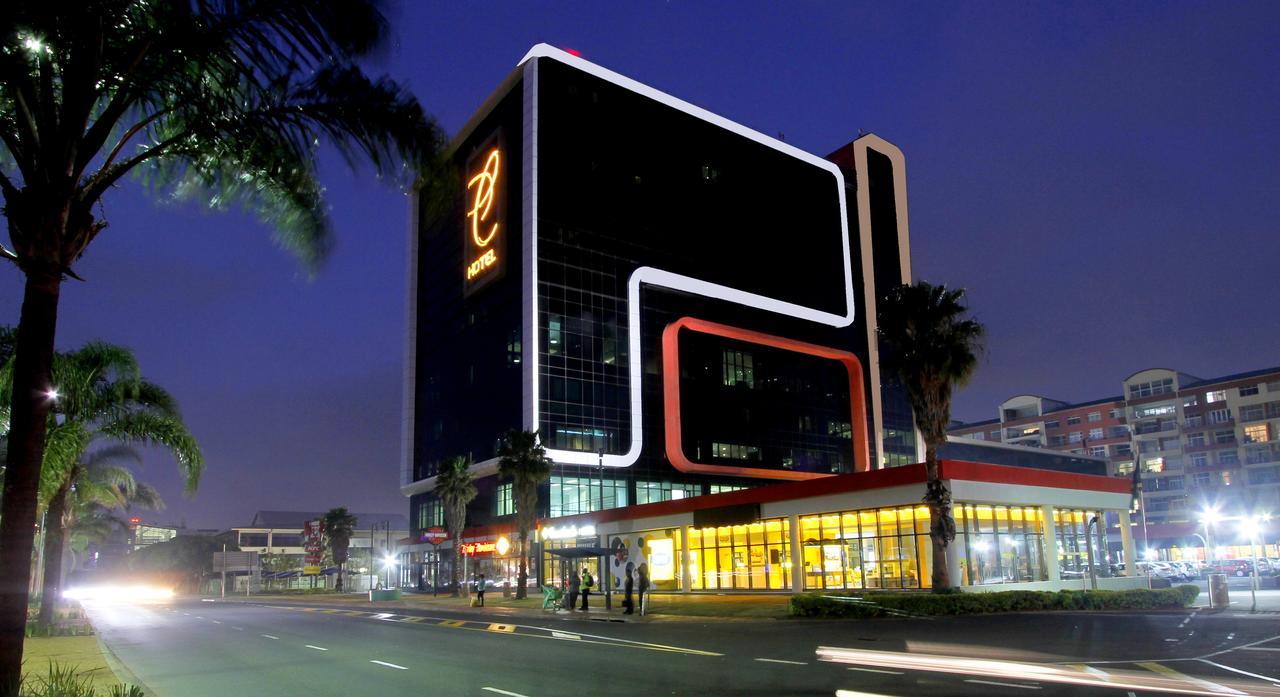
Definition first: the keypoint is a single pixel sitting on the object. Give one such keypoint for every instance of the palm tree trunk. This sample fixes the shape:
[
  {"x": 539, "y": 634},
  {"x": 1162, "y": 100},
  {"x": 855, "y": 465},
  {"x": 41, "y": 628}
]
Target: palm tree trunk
[
  {"x": 939, "y": 500},
  {"x": 32, "y": 370},
  {"x": 55, "y": 539},
  {"x": 523, "y": 577}
]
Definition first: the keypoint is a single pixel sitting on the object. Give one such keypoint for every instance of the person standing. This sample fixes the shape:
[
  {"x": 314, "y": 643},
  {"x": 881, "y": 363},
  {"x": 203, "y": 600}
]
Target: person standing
[
  {"x": 643, "y": 584},
  {"x": 574, "y": 582},
  {"x": 587, "y": 583},
  {"x": 626, "y": 600},
  {"x": 480, "y": 591}
]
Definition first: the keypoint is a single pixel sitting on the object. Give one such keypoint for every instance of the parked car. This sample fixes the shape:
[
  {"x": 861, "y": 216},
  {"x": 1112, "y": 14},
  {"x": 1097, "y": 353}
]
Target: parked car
[
  {"x": 1232, "y": 567},
  {"x": 1187, "y": 570}
]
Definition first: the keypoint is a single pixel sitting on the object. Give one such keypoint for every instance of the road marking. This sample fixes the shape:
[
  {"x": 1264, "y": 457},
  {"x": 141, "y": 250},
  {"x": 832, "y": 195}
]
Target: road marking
[
  {"x": 1257, "y": 648},
  {"x": 877, "y": 670},
  {"x": 1005, "y": 684},
  {"x": 389, "y": 665},
  {"x": 1091, "y": 671},
  {"x": 508, "y": 628},
  {"x": 503, "y": 692},
  {"x": 1169, "y": 672},
  {"x": 1273, "y": 681},
  {"x": 566, "y": 635},
  {"x": 216, "y": 622},
  {"x": 1231, "y": 636},
  {"x": 452, "y": 623},
  {"x": 414, "y": 619},
  {"x": 317, "y": 648},
  {"x": 238, "y": 629},
  {"x": 1170, "y": 639},
  {"x": 851, "y": 693},
  {"x": 199, "y": 617},
  {"x": 779, "y": 660},
  {"x": 268, "y": 636}
]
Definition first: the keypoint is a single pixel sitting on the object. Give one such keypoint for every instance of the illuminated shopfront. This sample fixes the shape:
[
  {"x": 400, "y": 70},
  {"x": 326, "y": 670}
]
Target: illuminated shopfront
[
  {"x": 1005, "y": 544},
  {"x": 741, "y": 557},
  {"x": 875, "y": 548}
]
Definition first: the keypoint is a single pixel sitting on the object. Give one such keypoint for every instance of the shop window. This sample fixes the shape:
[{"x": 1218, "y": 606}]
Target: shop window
[{"x": 738, "y": 369}]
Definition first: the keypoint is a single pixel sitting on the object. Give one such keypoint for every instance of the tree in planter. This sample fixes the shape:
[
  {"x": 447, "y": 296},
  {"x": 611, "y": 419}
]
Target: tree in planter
[
  {"x": 220, "y": 100},
  {"x": 931, "y": 345},
  {"x": 523, "y": 460},
  {"x": 455, "y": 489},
  {"x": 100, "y": 395},
  {"x": 338, "y": 527}
]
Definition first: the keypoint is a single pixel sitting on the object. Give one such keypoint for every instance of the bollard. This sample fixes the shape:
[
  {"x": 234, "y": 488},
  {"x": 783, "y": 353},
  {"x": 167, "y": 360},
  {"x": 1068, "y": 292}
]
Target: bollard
[{"x": 1218, "y": 596}]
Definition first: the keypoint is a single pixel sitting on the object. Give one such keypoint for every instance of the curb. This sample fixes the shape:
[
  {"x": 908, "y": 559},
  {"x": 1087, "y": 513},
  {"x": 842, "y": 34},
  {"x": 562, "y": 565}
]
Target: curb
[{"x": 121, "y": 671}]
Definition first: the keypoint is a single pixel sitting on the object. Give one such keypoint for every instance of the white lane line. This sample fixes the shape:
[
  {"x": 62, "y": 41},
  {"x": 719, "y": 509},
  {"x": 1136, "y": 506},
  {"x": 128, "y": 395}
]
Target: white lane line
[
  {"x": 851, "y": 693},
  {"x": 1273, "y": 681},
  {"x": 238, "y": 629},
  {"x": 503, "y": 692},
  {"x": 779, "y": 660},
  {"x": 1257, "y": 648},
  {"x": 877, "y": 670},
  {"x": 216, "y": 622},
  {"x": 566, "y": 635},
  {"x": 317, "y": 648},
  {"x": 389, "y": 665},
  {"x": 1203, "y": 684},
  {"x": 268, "y": 636},
  {"x": 1005, "y": 684}
]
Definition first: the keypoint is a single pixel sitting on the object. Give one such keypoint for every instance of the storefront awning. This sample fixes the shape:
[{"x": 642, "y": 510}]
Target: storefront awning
[{"x": 580, "y": 552}]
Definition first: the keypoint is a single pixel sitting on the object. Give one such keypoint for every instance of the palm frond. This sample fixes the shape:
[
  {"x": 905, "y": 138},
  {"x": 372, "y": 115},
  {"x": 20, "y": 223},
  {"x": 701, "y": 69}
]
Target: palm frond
[{"x": 171, "y": 434}]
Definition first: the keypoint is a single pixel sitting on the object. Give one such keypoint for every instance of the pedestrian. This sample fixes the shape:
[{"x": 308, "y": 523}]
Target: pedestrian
[
  {"x": 642, "y": 584},
  {"x": 587, "y": 583},
  {"x": 480, "y": 591},
  {"x": 626, "y": 600},
  {"x": 573, "y": 589}
]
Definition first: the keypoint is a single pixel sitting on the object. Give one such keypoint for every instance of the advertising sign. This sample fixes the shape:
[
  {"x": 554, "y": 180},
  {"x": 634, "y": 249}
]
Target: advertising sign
[
  {"x": 484, "y": 239},
  {"x": 313, "y": 546},
  {"x": 434, "y": 535}
]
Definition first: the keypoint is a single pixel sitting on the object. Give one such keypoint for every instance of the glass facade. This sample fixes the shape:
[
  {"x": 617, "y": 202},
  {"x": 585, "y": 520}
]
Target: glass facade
[
  {"x": 574, "y": 495},
  {"x": 741, "y": 557},
  {"x": 872, "y": 548},
  {"x": 999, "y": 544},
  {"x": 1073, "y": 540}
]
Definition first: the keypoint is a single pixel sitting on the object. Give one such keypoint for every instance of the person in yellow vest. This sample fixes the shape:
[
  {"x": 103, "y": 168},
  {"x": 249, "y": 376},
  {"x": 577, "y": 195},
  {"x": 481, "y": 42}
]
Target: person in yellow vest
[{"x": 587, "y": 584}]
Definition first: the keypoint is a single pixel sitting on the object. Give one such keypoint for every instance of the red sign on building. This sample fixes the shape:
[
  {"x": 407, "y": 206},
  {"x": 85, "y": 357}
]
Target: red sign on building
[{"x": 313, "y": 542}]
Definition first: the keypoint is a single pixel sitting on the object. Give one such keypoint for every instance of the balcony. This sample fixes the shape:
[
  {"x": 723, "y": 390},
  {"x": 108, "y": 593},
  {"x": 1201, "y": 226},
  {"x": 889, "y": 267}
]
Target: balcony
[{"x": 1143, "y": 429}]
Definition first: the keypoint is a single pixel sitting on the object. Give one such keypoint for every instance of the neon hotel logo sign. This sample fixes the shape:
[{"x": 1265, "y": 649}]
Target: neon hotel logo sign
[{"x": 482, "y": 214}]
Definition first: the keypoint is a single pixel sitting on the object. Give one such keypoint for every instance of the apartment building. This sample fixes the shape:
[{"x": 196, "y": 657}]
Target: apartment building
[{"x": 1200, "y": 444}]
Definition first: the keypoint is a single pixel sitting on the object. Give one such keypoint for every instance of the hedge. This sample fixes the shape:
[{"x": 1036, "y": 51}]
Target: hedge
[{"x": 884, "y": 604}]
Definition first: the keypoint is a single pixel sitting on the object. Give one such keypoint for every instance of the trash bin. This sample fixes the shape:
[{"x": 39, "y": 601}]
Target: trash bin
[{"x": 1218, "y": 597}]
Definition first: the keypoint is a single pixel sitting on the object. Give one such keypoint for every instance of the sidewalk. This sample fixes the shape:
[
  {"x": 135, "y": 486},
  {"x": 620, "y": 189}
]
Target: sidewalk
[
  {"x": 688, "y": 607},
  {"x": 1242, "y": 602}
]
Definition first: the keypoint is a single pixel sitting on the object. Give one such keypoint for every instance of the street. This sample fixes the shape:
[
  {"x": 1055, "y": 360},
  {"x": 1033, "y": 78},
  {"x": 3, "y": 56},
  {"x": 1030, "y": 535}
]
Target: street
[{"x": 195, "y": 648}]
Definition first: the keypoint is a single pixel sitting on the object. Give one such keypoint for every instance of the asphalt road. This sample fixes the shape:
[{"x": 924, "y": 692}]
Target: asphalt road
[{"x": 204, "y": 648}]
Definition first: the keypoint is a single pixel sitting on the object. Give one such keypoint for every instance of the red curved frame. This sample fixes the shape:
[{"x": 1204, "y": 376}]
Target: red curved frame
[{"x": 671, "y": 397}]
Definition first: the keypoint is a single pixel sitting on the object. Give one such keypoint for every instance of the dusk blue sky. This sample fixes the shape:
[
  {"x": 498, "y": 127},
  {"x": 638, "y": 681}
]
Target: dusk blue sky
[{"x": 1101, "y": 177}]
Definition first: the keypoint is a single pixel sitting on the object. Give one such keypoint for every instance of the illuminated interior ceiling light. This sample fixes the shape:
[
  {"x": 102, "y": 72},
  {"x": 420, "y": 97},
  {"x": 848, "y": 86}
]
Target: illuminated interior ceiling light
[{"x": 485, "y": 183}]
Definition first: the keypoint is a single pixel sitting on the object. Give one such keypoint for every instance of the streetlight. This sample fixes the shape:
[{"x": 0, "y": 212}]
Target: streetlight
[
  {"x": 1250, "y": 528},
  {"x": 1210, "y": 516}
]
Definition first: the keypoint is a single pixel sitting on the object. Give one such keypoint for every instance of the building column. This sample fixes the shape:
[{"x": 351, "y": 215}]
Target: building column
[
  {"x": 686, "y": 570},
  {"x": 1126, "y": 539},
  {"x": 1052, "y": 572},
  {"x": 797, "y": 555}
]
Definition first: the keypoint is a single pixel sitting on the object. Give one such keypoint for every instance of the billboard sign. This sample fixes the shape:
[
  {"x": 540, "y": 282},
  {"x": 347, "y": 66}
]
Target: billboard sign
[{"x": 313, "y": 543}]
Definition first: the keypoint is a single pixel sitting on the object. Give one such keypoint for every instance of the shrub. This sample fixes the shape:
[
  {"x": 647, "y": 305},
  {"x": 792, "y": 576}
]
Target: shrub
[
  {"x": 888, "y": 604},
  {"x": 65, "y": 681}
]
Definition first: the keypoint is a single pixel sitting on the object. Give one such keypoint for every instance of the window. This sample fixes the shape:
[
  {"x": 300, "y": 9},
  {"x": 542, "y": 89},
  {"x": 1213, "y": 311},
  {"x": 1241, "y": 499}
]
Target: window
[
  {"x": 1219, "y": 416},
  {"x": 1252, "y": 412},
  {"x": 734, "y": 451},
  {"x": 1124, "y": 468},
  {"x": 1228, "y": 457},
  {"x": 724, "y": 488},
  {"x": 1191, "y": 401},
  {"x": 1095, "y": 416},
  {"x": 1114, "y": 413},
  {"x": 1095, "y": 434},
  {"x": 1073, "y": 420},
  {"x": 1224, "y": 437},
  {"x": 1147, "y": 389},
  {"x": 1057, "y": 441},
  {"x": 1195, "y": 421},
  {"x": 1118, "y": 432},
  {"x": 574, "y": 495},
  {"x": 1257, "y": 433},
  {"x": 1248, "y": 391},
  {"x": 1166, "y": 484},
  {"x": 1273, "y": 386},
  {"x": 1195, "y": 440},
  {"x": 994, "y": 435},
  {"x": 653, "y": 492},
  {"x": 430, "y": 514},
  {"x": 504, "y": 505},
  {"x": 253, "y": 539},
  {"x": 1170, "y": 444},
  {"x": 513, "y": 348},
  {"x": 1158, "y": 410},
  {"x": 1265, "y": 475},
  {"x": 554, "y": 338},
  {"x": 1123, "y": 449},
  {"x": 1153, "y": 464},
  {"x": 1051, "y": 424},
  {"x": 738, "y": 369},
  {"x": 1098, "y": 451},
  {"x": 1215, "y": 396},
  {"x": 977, "y": 436},
  {"x": 1273, "y": 410},
  {"x": 1199, "y": 459},
  {"x": 1258, "y": 454},
  {"x": 1074, "y": 437}
]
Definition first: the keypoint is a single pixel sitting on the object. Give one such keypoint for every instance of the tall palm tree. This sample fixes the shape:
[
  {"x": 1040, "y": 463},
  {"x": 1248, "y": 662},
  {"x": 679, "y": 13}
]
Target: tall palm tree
[
  {"x": 224, "y": 100},
  {"x": 523, "y": 460},
  {"x": 455, "y": 488},
  {"x": 339, "y": 525},
  {"x": 101, "y": 395},
  {"x": 931, "y": 345}
]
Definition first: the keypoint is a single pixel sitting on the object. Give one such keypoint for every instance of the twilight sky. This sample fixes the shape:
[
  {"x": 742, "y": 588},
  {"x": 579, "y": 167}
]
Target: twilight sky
[{"x": 1101, "y": 177}]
